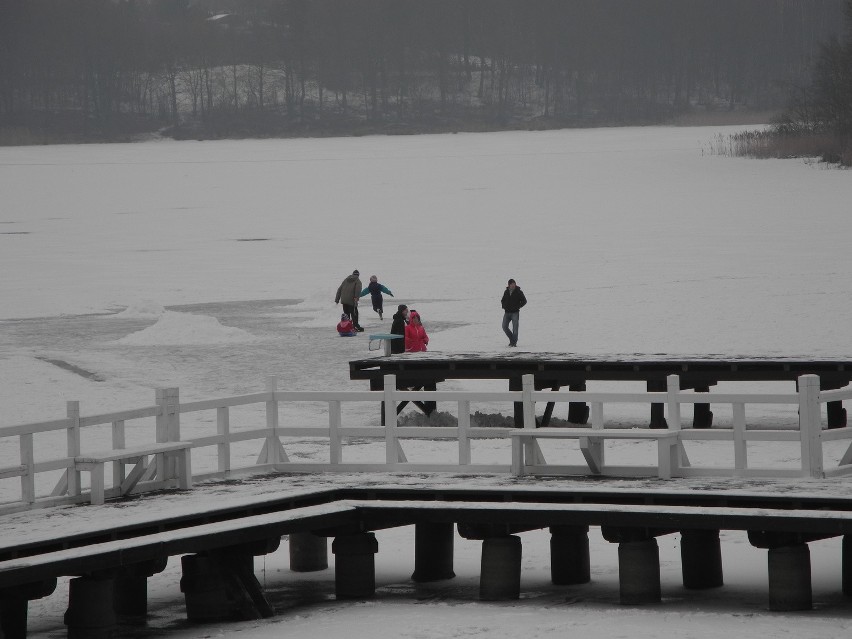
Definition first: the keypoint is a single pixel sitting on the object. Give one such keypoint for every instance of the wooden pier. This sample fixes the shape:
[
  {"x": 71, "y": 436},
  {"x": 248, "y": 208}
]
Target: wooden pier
[
  {"x": 558, "y": 370},
  {"x": 109, "y": 564}
]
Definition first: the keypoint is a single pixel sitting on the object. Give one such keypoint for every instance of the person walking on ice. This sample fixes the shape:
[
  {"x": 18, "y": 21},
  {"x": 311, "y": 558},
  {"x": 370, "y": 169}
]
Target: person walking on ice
[
  {"x": 348, "y": 293},
  {"x": 512, "y": 302},
  {"x": 375, "y": 290}
]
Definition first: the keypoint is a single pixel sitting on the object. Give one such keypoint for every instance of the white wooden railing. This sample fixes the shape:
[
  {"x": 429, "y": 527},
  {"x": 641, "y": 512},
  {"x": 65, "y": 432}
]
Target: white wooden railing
[{"x": 808, "y": 436}]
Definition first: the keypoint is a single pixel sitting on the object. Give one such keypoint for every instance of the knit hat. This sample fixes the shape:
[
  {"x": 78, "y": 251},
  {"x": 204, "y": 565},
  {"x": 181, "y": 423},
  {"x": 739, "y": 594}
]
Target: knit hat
[
  {"x": 355, "y": 272},
  {"x": 344, "y": 317}
]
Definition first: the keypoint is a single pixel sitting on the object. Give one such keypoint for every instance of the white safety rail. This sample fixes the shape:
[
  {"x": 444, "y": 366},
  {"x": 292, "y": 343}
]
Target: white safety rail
[
  {"x": 271, "y": 439},
  {"x": 808, "y": 436},
  {"x": 844, "y": 466}
]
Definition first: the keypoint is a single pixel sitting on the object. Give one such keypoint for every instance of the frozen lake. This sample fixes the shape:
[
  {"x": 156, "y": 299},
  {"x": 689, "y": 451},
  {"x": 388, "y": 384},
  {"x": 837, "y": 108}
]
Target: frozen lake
[{"x": 211, "y": 265}]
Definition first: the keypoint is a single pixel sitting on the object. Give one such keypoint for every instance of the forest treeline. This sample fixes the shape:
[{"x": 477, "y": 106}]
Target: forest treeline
[
  {"x": 106, "y": 69},
  {"x": 818, "y": 119}
]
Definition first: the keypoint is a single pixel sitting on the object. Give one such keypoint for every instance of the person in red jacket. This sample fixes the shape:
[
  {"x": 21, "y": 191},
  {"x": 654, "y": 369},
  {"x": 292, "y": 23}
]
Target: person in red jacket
[
  {"x": 345, "y": 327},
  {"x": 415, "y": 335}
]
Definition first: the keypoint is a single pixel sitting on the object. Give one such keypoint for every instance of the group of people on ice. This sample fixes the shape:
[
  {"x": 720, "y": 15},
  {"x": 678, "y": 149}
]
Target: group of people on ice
[{"x": 407, "y": 322}]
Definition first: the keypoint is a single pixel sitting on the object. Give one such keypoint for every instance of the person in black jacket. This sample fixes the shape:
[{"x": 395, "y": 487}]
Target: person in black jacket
[
  {"x": 512, "y": 302},
  {"x": 400, "y": 319}
]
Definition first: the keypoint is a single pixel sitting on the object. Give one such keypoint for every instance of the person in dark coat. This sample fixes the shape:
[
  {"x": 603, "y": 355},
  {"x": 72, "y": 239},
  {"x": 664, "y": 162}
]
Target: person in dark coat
[
  {"x": 375, "y": 290},
  {"x": 512, "y": 302},
  {"x": 400, "y": 320}
]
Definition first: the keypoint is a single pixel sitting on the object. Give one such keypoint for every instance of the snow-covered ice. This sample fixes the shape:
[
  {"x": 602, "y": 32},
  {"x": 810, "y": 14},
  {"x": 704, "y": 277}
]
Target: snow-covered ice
[{"x": 211, "y": 265}]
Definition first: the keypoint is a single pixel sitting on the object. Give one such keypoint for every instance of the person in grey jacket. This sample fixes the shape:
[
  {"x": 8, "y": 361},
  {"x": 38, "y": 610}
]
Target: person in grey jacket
[{"x": 347, "y": 294}]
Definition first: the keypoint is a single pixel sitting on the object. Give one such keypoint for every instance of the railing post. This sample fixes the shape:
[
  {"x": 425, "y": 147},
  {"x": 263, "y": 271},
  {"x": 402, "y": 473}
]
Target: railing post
[
  {"x": 168, "y": 429},
  {"x": 533, "y": 451},
  {"x": 597, "y": 415},
  {"x": 391, "y": 453},
  {"x": 674, "y": 418},
  {"x": 272, "y": 441},
  {"x": 335, "y": 449},
  {"x": 527, "y": 387},
  {"x": 673, "y": 390},
  {"x": 118, "y": 442},
  {"x": 223, "y": 429},
  {"x": 810, "y": 426},
  {"x": 173, "y": 395},
  {"x": 464, "y": 434},
  {"x": 72, "y": 410},
  {"x": 740, "y": 444},
  {"x": 173, "y": 416},
  {"x": 28, "y": 460},
  {"x": 162, "y": 415}
]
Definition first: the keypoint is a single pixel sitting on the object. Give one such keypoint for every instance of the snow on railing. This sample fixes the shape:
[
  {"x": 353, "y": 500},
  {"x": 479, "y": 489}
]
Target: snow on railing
[{"x": 273, "y": 454}]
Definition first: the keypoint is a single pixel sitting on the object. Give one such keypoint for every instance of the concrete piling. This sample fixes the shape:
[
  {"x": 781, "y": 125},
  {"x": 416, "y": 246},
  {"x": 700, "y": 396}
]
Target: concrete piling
[
  {"x": 569, "y": 555},
  {"x": 500, "y": 571},
  {"x": 90, "y": 613},
  {"x": 14, "y": 605},
  {"x": 433, "y": 551},
  {"x": 639, "y": 572},
  {"x": 308, "y": 552},
  {"x": 701, "y": 559},
  {"x": 790, "y": 578},
  {"x": 130, "y": 591},
  {"x": 355, "y": 565}
]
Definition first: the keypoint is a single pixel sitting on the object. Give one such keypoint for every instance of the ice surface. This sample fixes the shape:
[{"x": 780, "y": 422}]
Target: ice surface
[
  {"x": 184, "y": 328},
  {"x": 211, "y": 265}
]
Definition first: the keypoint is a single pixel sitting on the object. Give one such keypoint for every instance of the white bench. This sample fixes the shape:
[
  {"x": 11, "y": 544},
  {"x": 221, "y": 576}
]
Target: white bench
[
  {"x": 385, "y": 339},
  {"x": 94, "y": 463},
  {"x": 591, "y": 445}
]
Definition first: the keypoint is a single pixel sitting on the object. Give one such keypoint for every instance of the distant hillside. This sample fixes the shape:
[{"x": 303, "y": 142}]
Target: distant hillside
[{"x": 74, "y": 70}]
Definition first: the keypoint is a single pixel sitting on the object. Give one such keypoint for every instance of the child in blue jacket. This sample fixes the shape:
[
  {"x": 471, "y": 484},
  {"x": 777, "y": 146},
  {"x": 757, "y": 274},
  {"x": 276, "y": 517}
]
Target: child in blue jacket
[{"x": 375, "y": 290}]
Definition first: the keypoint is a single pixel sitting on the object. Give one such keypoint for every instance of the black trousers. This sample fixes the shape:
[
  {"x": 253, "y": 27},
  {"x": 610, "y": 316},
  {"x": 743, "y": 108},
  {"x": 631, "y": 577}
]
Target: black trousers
[{"x": 352, "y": 311}]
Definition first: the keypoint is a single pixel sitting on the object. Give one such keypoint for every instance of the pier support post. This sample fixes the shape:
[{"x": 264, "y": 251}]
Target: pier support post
[
  {"x": 578, "y": 412},
  {"x": 308, "y": 552},
  {"x": 433, "y": 551},
  {"x": 221, "y": 585},
  {"x": 702, "y": 415},
  {"x": 13, "y": 618},
  {"x": 516, "y": 384},
  {"x": 569, "y": 555},
  {"x": 355, "y": 565},
  {"x": 130, "y": 592},
  {"x": 701, "y": 559},
  {"x": 658, "y": 410},
  {"x": 205, "y": 588},
  {"x": 379, "y": 385},
  {"x": 500, "y": 570},
  {"x": 90, "y": 613},
  {"x": 846, "y": 565},
  {"x": 14, "y": 603},
  {"x": 790, "y": 578},
  {"x": 639, "y": 572},
  {"x": 834, "y": 412}
]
